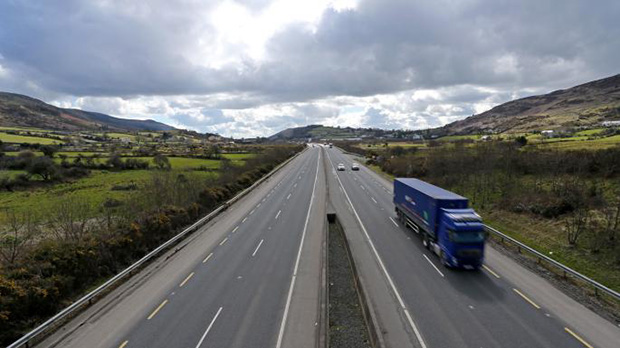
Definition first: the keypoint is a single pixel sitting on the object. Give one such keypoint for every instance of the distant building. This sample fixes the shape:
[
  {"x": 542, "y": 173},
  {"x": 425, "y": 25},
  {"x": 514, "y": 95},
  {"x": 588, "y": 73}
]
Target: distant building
[
  {"x": 547, "y": 133},
  {"x": 611, "y": 123}
]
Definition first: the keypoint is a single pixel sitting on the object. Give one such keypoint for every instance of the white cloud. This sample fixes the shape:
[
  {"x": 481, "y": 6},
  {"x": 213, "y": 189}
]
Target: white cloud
[{"x": 253, "y": 67}]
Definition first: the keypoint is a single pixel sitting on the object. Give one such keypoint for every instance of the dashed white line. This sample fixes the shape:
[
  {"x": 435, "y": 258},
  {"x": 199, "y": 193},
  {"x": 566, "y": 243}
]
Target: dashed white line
[
  {"x": 223, "y": 241},
  {"x": 394, "y": 222},
  {"x": 362, "y": 186},
  {"x": 295, "y": 185},
  {"x": 382, "y": 265},
  {"x": 301, "y": 245},
  {"x": 278, "y": 214},
  {"x": 258, "y": 205},
  {"x": 255, "y": 250},
  {"x": 289, "y": 196},
  {"x": 207, "y": 258},
  {"x": 209, "y": 328},
  {"x": 374, "y": 200},
  {"x": 432, "y": 264},
  {"x": 244, "y": 220},
  {"x": 235, "y": 229},
  {"x": 252, "y": 212}
]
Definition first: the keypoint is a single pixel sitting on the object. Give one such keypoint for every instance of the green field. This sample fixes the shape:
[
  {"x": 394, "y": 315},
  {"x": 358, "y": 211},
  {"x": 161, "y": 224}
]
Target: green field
[
  {"x": 458, "y": 137},
  {"x": 238, "y": 156},
  {"x": 11, "y": 138},
  {"x": 582, "y": 143},
  {"x": 94, "y": 189}
]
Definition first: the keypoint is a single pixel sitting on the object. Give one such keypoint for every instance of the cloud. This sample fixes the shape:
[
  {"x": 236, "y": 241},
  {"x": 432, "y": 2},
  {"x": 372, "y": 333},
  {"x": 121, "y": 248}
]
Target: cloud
[{"x": 262, "y": 65}]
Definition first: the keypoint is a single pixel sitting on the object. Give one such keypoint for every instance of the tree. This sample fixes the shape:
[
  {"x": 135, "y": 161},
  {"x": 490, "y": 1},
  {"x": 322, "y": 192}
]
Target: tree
[
  {"x": 15, "y": 235},
  {"x": 521, "y": 140},
  {"x": 44, "y": 167},
  {"x": 161, "y": 162},
  {"x": 48, "y": 150}
]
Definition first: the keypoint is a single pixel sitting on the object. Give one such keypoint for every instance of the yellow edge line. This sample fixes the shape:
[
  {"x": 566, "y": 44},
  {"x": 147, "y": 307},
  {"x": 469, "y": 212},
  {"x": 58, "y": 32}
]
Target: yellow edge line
[
  {"x": 123, "y": 344},
  {"x": 527, "y": 299},
  {"x": 490, "y": 271},
  {"x": 578, "y": 338},
  {"x": 186, "y": 279},
  {"x": 207, "y": 258},
  {"x": 224, "y": 241},
  {"x": 157, "y": 310}
]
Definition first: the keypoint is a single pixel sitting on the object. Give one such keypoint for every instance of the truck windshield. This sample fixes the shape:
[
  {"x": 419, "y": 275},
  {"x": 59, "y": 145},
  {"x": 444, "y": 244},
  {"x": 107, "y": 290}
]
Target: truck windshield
[{"x": 466, "y": 236}]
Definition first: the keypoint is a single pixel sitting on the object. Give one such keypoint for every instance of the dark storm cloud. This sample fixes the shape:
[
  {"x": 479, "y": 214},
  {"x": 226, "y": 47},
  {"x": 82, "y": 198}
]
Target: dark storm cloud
[
  {"x": 128, "y": 49},
  {"x": 97, "y": 48}
]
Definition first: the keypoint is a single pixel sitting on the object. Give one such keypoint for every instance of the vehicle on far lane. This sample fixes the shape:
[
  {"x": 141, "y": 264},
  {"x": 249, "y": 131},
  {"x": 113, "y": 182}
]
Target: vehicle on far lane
[
  {"x": 355, "y": 166},
  {"x": 341, "y": 167},
  {"x": 448, "y": 227}
]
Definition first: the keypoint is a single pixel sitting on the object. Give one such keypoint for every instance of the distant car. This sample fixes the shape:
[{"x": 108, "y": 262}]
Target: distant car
[
  {"x": 341, "y": 167},
  {"x": 355, "y": 166}
]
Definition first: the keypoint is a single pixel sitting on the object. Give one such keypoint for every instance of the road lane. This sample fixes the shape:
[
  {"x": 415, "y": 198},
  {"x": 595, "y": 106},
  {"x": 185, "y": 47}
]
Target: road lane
[
  {"x": 219, "y": 272},
  {"x": 472, "y": 309}
]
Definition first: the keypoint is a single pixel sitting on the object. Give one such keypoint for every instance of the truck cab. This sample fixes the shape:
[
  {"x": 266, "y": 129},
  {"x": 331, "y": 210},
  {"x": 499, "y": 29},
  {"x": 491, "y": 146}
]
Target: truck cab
[{"x": 461, "y": 238}]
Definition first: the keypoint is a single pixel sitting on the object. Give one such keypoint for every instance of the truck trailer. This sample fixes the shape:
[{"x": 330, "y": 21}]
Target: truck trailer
[{"x": 446, "y": 224}]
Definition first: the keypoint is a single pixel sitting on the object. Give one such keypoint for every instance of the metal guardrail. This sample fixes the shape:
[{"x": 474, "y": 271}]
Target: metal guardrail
[
  {"x": 567, "y": 270},
  {"x": 87, "y": 299}
]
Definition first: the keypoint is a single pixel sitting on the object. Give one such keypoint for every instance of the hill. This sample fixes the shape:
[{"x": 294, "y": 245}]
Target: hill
[
  {"x": 22, "y": 111},
  {"x": 585, "y": 105},
  {"x": 320, "y": 132}
]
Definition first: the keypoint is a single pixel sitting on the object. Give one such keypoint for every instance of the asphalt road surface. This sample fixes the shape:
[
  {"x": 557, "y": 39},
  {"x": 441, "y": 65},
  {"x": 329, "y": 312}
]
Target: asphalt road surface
[
  {"x": 253, "y": 277},
  {"x": 231, "y": 284},
  {"x": 503, "y": 305}
]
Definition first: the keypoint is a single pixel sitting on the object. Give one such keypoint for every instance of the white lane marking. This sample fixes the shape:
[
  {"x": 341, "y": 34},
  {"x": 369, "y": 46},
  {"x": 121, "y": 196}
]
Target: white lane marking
[
  {"x": 255, "y": 250},
  {"x": 223, "y": 241},
  {"x": 244, "y": 220},
  {"x": 374, "y": 200},
  {"x": 252, "y": 212},
  {"x": 278, "y": 214},
  {"x": 363, "y": 188},
  {"x": 258, "y": 205},
  {"x": 295, "y": 185},
  {"x": 432, "y": 264},
  {"x": 394, "y": 222},
  {"x": 289, "y": 196},
  {"x": 301, "y": 245},
  {"x": 209, "y": 328},
  {"x": 207, "y": 258},
  {"x": 385, "y": 272},
  {"x": 235, "y": 229},
  {"x": 263, "y": 200}
]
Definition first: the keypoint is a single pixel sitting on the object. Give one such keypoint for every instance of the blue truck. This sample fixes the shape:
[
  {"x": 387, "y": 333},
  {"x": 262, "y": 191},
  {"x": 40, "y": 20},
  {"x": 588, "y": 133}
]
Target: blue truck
[{"x": 447, "y": 226}]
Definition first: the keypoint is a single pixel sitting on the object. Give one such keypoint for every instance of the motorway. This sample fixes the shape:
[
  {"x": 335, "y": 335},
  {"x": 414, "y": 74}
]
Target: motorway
[
  {"x": 238, "y": 282},
  {"x": 254, "y": 277},
  {"x": 450, "y": 308}
]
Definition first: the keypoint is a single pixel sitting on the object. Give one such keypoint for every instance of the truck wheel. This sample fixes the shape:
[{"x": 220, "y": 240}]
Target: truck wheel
[
  {"x": 443, "y": 258},
  {"x": 425, "y": 242}
]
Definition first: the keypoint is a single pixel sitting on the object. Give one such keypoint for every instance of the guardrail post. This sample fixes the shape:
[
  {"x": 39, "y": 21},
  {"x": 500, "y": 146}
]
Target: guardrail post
[{"x": 596, "y": 291}]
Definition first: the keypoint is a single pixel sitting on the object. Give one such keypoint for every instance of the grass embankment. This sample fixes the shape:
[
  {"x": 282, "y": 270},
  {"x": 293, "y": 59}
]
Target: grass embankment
[{"x": 549, "y": 238}]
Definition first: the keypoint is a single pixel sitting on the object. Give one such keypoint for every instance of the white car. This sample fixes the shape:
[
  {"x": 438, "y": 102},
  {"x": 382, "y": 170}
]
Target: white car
[
  {"x": 341, "y": 167},
  {"x": 355, "y": 166}
]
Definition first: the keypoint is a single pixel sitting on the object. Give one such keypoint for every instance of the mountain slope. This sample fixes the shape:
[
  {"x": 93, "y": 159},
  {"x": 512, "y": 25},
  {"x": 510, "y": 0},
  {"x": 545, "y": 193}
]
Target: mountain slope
[
  {"x": 22, "y": 111},
  {"x": 588, "y": 104}
]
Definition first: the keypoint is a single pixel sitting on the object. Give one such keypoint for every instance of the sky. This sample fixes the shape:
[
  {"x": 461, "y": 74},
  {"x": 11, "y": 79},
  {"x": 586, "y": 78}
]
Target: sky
[{"x": 250, "y": 68}]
